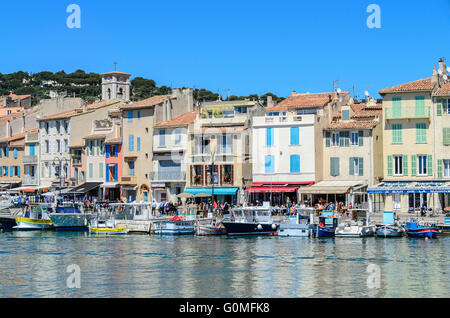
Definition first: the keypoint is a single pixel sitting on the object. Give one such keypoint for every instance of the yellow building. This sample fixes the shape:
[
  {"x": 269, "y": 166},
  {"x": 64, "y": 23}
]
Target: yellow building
[{"x": 414, "y": 146}]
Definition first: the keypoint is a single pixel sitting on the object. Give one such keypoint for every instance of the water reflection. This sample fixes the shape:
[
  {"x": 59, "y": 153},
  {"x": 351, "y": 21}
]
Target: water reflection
[{"x": 33, "y": 264}]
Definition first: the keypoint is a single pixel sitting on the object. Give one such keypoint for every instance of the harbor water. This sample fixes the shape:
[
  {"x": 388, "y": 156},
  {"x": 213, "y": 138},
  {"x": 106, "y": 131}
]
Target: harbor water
[{"x": 35, "y": 264}]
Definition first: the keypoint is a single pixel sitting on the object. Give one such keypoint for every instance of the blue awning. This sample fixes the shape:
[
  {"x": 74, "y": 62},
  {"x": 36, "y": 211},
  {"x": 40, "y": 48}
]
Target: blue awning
[{"x": 217, "y": 191}]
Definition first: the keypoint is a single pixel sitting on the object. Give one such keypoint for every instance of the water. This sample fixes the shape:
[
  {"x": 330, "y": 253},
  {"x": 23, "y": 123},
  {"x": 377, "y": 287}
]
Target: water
[{"x": 34, "y": 264}]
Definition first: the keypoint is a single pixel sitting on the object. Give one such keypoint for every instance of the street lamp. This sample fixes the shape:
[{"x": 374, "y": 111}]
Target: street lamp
[
  {"x": 60, "y": 161},
  {"x": 213, "y": 153}
]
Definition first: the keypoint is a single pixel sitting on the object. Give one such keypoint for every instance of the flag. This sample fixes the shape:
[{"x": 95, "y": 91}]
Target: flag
[{"x": 215, "y": 205}]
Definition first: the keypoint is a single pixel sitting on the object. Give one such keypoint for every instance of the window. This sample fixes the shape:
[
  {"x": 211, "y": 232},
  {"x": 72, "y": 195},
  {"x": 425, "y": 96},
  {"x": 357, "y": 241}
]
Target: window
[
  {"x": 334, "y": 167},
  {"x": 91, "y": 170},
  {"x": 356, "y": 167},
  {"x": 138, "y": 114},
  {"x": 100, "y": 170},
  {"x": 138, "y": 143},
  {"x": 269, "y": 164},
  {"x": 226, "y": 146},
  {"x": 66, "y": 143},
  {"x": 446, "y": 168},
  {"x": 47, "y": 127},
  {"x": 15, "y": 153},
  {"x": 421, "y": 165},
  {"x": 396, "y": 107},
  {"x": 398, "y": 165},
  {"x": 58, "y": 146},
  {"x": 32, "y": 149},
  {"x": 58, "y": 127},
  {"x": 66, "y": 126},
  {"x": 446, "y": 136},
  {"x": 355, "y": 138},
  {"x": 131, "y": 167},
  {"x": 295, "y": 164},
  {"x": 177, "y": 138},
  {"x": 130, "y": 116},
  {"x": 162, "y": 137},
  {"x": 47, "y": 146},
  {"x": 396, "y": 133},
  {"x": 295, "y": 139},
  {"x": 345, "y": 114},
  {"x": 420, "y": 106},
  {"x": 446, "y": 106},
  {"x": 421, "y": 133},
  {"x": 335, "y": 139},
  {"x": 269, "y": 136}
]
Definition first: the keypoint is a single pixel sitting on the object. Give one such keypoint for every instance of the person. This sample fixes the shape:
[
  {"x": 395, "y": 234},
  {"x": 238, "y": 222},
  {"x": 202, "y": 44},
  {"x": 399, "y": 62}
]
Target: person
[{"x": 153, "y": 206}]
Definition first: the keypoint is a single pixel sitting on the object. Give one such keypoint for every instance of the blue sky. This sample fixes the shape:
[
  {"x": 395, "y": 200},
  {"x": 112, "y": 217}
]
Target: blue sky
[{"x": 243, "y": 46}]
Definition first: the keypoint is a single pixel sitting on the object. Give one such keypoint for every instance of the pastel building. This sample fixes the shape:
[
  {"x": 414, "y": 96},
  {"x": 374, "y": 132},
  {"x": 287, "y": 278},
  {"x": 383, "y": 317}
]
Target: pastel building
[
  {"x": 415, "y": 145},
  {"x": 287, "y": 147}
]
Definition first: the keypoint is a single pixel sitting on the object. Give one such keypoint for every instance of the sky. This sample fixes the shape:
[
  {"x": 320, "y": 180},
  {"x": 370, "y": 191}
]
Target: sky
[{"x": 234, "y": 47}]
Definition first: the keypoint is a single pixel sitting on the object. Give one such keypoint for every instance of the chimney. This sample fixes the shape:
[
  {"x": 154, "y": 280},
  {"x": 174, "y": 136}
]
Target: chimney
[
  {"x": 294, "y": 93},
  {"x": 442, "y": 67},
  {"x": 269, "y": 101}
]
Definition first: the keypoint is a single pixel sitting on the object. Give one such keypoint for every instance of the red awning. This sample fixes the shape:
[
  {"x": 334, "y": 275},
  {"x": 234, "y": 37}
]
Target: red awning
[{"x": 271, "y": 189}]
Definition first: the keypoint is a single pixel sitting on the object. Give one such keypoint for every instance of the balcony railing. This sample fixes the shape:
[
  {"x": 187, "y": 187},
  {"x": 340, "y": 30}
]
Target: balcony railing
[
  {"x": 30, "y": 160},
  {"x": 29, "y": 180},
  {"x": 168, "y": 176},
  {"x": 407, "y": 112},
  {"x": 128, "y": 180}
]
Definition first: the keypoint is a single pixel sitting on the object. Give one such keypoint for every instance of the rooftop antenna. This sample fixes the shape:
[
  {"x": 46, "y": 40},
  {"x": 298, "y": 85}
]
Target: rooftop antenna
[
  {"x": 115, "y": 66},
  {"x": 335, "y": 85}
]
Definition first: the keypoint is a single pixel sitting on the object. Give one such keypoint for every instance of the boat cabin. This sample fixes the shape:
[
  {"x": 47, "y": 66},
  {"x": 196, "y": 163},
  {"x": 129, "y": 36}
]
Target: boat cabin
[
  {"x": 252, "y": 215},
  {"x": 38, "y": 211},
  {"x": 131, "y": 211}
]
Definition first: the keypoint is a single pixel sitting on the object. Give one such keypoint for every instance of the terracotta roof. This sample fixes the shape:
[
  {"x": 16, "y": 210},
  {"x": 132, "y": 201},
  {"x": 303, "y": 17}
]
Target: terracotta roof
[
  {"x": 424, "y": 84},
  {"x": 306, "y": 101},
  {"x": 114, "y": 141},
  {"x": 17, "y": 143},
  {"x": 222, "y": 130},
  {"x": 356, "y": 124},
  {"x": 118, "y": 73},
  {"x": 103, "y": 103},
  {"x": 149, "y": 102},
  {"x": 443, "y": 91},
  {"x": 10, "y": 117},
  {"x": 182, "y": 120},
  {"x": 95, "y": 136},
  {"x": 13, "y": 138},
  {"x": 66, "y": 114},
  {"x": 14, "y": 96}
]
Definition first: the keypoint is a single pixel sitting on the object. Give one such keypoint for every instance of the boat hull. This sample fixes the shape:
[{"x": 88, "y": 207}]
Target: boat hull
[
  {"x": 355, "y": 232},
  {"x": 422, "y": 233},
  {"x": 386, "y": 232},
  {"x": 238, "y": 228},
  {"x": 70, "y": 221},
  {"x": 322, "y": 231},
  {"x": 173, "y": 227},
  {"x": 107, "y": 231},
  {"x": 26, "y": 224},
  {"x": 209, "y": 230},
  {"x": 7, "y": 223},
  {"x": 293, "y": 230}
]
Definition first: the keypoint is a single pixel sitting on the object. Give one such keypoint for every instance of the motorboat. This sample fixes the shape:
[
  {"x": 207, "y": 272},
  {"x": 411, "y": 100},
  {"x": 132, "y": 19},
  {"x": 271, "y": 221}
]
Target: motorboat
[
  {"x": 6, "y": 202},
  {"x": 360, "y": 227},
  {"x": 174, "y": 226},
  {"x": 419, "y": 229},
  {"x": 70, "y": 216},
  {"x": 251, "y": 221},
  {"x": 298, "y": 225},
  {"x": 36, "y": 217},
  {"x": 389, "y": 228},
  {"x": 327, "y": 225},
  {"x": 104, "y": 222}
]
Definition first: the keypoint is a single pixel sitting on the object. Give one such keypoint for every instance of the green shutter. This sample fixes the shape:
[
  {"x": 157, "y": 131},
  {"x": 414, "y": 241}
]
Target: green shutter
[
  {"x": 440, "y": 169},
  {"x": 389, "y": 165},
  {"x": 405, "y": 165},
  {"x": 421, "y": 133},
  {"x": 361, "y": 138},
  {"x": 396, "y": 107},
  {"x": 361, "y": 166},
  {"x": 334, "y": 170},
  {"x": 439, "y": 107},
  {"x": 413, "y": 165},
  {"x": 430, "y": 165},
  {"x": 396, "y": 133},
  {"x": 446, "y": 136},
  {"x": 341, "y": 139},
  {"x": 420, "y": 106},
  {"x": 328, "y": 139},
  {"x": 347, "y": 139},
  {"x": 351, "y": 166}
]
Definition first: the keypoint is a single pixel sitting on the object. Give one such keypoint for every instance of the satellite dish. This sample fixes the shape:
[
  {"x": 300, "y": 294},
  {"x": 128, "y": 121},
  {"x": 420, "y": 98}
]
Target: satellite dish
[
  {"x": 440, "y": 72},
  {"x": 445, "y": 77},
  {"x": 338, "y": 90},
  {"x": 367, "y": 93},
  {"x": 448, "y": 69}
]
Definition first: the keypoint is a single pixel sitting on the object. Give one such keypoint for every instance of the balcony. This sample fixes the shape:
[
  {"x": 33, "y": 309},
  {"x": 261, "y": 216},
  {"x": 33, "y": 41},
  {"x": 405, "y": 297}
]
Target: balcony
[
  {"x": 164, "y": 176},
  {"x": 29, "y": 160},
  {"x": 407, "y": 113},
  {"x": 128, "y": 180}
]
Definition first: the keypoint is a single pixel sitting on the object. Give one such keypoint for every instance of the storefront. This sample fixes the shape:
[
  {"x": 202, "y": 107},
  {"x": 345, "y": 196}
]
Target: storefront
[
  {"x": 277, "y": 193},
  {"x": 221, "y": 194}
]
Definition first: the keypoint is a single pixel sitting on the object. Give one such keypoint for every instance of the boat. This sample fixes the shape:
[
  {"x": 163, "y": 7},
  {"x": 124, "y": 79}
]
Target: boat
[
  {"x": 36, "y": 217},
  {"x": 415, "y": 229},
  {"x": 175, "y": 226},
  {"x": 251, "y": 221},
  {"x": 104, "y": 223},
  {"x": 297, "y": 225},
  {"x": 327, "y": 225},
  {"x": 212, "y": 227},
  {"x": 6, "y": 202},
  {"x": 70, "y": 216},
  {"x": 360, "y": 227},
  {"x": 389, "y": 228}
]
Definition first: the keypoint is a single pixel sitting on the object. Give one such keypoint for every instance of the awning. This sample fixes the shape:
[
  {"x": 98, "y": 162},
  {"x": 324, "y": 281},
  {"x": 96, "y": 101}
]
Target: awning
[
  {"x": 405, "y": 188},
  {"x": 84, "y": 188},
  {"x": 331, "y": 187},
  {"x": 271, "y": 189},
  {"x": 110, "y": 185},
  {"x": 217, "y": 191}
]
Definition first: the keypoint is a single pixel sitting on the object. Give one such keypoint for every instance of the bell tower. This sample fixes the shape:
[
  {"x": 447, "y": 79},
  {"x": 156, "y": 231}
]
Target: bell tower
[{"x": 116, "y": 85}]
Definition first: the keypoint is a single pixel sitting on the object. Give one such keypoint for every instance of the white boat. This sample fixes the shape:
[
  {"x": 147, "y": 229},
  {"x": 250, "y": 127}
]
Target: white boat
[
  {"x": 360, "y": 227},
  {"x": 298, "y": 225},
  {"x": 174, "y": 226},
  {"x": 36, "y": 217},
  {"x": 105, "y": 227},
  {"x": 70, "y": 216},
  {"x": 210, "y": 227},
  {"x": 6, "y": 202}
]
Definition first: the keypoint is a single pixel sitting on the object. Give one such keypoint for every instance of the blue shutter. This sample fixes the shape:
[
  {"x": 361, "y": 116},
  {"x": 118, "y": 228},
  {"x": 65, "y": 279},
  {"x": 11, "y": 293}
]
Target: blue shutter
[
  {"x": 131, "y": 143},
  {"x": 1, "y": 171},
  {"x": 116, "y": 150},
  {"x": 107, "y": 151},
  {"x": 107, "y": 172},
  {"x": 15, "y": 153},
  {"x": 361, "y": 166},
  {"x": 138, "y": 114},
  {"x": 295, "y": 140},
  {"x": 269, "y": 164},
  {"x": 7, "y": 152},
  {"x": 116, "y": 172},
  {"x": 18, "y": 171},
  {"x": 11, "y": 171},
  {"x": 138, "y": 144},
  {"x": 295, "y": 163},
  {"x": 130, "y": 116},
  {"x": 269, "y": 136}
]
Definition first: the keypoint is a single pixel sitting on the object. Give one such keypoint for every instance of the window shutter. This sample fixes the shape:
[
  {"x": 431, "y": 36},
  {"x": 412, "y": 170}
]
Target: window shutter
[
  {"x": 328, "y": 139},
  {"x": 294, "y": 135},
  {"x": 295, "y": 163},
  {"x": 116, "y": 150},
  {"x": 11, "y": 171},
  {"x": 446, "y": 136},
  {"x": 7, "y": 152},
  {"x": 440, "y": 169},
  {"x": 18, "y": 171},
  {"x": 334, "y": 170},
  {"x": 361, "y": 138},
  {"x": 439, "y": 107},
  {"x": 396, "y": 107},
  {"x": 361, "y": 166},
  {"x": 347, "y": 138},
  {"x": 116, "y": 172},
  {"x": 269, "y": 138},
  {"x": 107, "y": 151},
  {"x": 413, "y": 165},
  {"x": 430, "y": 165},
  {"x": 351, "y": 166},
  {"x": 420, "y": 106},
  {"x": 405, "y": 165},
  {"x": 107, "y": 172},
  {"x": 389, "y": 165}
]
